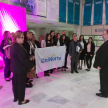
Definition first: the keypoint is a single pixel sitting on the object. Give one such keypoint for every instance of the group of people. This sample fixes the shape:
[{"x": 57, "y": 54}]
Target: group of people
[{"x": 21, "y": 58}]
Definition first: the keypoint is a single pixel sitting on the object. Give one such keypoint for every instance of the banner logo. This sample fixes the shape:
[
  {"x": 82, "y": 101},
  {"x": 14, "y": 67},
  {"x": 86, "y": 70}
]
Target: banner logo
[{"x": 50, "y": 58}]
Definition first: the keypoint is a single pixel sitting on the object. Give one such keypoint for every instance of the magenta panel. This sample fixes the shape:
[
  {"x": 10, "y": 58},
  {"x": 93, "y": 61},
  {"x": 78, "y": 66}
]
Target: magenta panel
[{"x": 12, "y": 18}]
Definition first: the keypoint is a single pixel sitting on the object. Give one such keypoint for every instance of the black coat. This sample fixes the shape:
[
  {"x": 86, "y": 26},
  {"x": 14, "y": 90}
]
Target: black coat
[
  {"x": 85, "y": 46},
  {"x": 20, "y": 63},
  {"x": 101, "y": 58},
  {"x": 26, "y": 46},
  {"x": 64, "y": 43},
  {"x": 92, "y": 49},
  {"x": 37, "y": 44}
]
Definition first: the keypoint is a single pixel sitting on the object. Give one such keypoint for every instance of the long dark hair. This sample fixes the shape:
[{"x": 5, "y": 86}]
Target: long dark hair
[
  {"x": 53, "y": 36},
  {"x": 80, "y": 38},
  {"x": 57, "y": 36},
  {"x": 91, "y": 39},
  {"x": 62, "y": 38},
  {"x": 47, "y": 37}
]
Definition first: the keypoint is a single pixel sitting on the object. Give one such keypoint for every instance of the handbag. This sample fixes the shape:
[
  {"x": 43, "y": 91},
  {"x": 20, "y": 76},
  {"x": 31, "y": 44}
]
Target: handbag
[{"x": 31, "y": 74}]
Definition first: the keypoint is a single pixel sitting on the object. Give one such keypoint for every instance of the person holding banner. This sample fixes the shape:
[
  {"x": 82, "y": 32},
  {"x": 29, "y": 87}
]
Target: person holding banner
[
  {"x": 68, "y": 43},
  {"x": 64, "y": 43},
  {"x": 53, "y": 38},
  {"x": 58, "y": 44},
  {"x": 30, "y": 49},
  {"x": 74, "y": 51},
  {"x": 48, "y": 44}
]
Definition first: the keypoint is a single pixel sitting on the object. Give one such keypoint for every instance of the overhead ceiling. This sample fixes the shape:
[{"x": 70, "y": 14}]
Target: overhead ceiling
[{"x": 44, "y": 24}]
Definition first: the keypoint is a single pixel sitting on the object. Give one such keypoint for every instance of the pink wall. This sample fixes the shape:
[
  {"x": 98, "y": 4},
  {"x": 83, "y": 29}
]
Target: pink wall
[{"x": 12, "y": 18}]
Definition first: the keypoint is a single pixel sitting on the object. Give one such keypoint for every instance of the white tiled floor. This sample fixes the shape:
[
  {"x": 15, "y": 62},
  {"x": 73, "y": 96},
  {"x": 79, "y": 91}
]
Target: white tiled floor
[{"x": 60, "y": 90}]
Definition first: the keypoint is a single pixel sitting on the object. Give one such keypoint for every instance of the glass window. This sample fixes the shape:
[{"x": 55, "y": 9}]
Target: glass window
[
  {"x": 99, "y": 43},
  {"x": 98, "y": 38}
]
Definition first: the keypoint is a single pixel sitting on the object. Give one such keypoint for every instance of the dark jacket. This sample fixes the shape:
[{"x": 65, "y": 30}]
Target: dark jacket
[
  {"x": 85, "y": 45},
  {"x": 1, "y": 47},
  {"x": 92, "y": 49},
  {"x": 71, "y": 48},
  {"x": 37, "y": 44},
  {"x": 54, "y": 41},
  {"x": 26, "y": 46},
  {"x": 64, "y": 43},
  {"x": 20, "y": 63},
  {"x": 101, "y": 58}
]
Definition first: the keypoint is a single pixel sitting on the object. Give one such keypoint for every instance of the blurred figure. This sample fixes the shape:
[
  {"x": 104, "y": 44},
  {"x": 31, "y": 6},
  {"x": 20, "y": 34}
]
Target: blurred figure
[
  {"x": 30, "y": 49},
  {"x": 53, "y": 38},
  {"x": 64, "y": 43},
  {"x": 68, "y": 43},
  {"x": 36, "y": 44},
  {"x": 58, "y": 44},
  {"x": 74, "y": 52},
  {"x": 101, "y": 63},
  {"x": 20, "y": 65},
  {"x": 74, "y": 34},
  {"x": 90, "y": 49},
  {"x": 48, "y": 44},
  {"x": 6, "y": 54},
  {"x": 41, "y": 38},
  {"x": 82, "y": 55}
]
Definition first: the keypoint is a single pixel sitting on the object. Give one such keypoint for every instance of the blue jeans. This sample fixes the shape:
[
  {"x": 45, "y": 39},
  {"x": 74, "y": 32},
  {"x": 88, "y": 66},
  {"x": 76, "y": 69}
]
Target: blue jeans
[{"x": 7, "y": 71}]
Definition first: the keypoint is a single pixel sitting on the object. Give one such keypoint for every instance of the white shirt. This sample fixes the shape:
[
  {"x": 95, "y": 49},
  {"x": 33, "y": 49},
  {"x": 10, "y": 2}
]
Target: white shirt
[
  {"x": 58, "y": 43},
  {"x": 31, "y": 46},
  {"x": 82, "y": 44}
]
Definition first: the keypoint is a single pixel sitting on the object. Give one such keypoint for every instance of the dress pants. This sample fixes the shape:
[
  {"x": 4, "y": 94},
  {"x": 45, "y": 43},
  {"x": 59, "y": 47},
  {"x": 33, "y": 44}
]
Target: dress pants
[
  {"x": 104, "y": 81},
  {"x": 7, "y": 71},
  {"x": 65, "y": 64},
  {"x": 74, "y": 62},
  {"x": 89, "y": 60},
  {"x": 19, "y": 83}
]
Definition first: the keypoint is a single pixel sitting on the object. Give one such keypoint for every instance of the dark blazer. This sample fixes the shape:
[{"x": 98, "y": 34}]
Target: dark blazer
[
  {"x": 64, "y": 43},
  {"x": 54, "y": 41},
  {"x": 71, "y": 48},
  {"x": 85, "y": 45},
  {"x": 20, "y": 63},
  {"x": 68, "y": 43},
  {"x": 101, "y": 58},
  {"x": 26, "y": 46},
  {"x": 38, "y": 44},
  {"x": 1, "y": 47},
  {"x": 92, "y": 49}
]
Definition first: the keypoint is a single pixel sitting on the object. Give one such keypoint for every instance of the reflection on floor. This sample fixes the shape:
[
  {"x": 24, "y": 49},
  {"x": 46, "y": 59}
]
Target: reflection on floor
[{"x": 60, "y": 90}]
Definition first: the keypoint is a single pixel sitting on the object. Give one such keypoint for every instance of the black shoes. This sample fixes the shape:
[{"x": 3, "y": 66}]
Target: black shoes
[
  {"x": 87, "y": 70},
  {"x": 15, "y": 100},
  {"x": 27, "y": 101},
  {"x": 46, "y": 74},
  {"x": 72, "y": 72},
  {"x": 101, "y": 95},
  {"x": 37, "y": 76},
  {"x": 76, "y": 71}
]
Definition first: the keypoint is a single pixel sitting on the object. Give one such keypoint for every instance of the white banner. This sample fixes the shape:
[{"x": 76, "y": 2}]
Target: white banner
[
  {"x": 49, "y": 58},
  {"x": 41, "y": 9}
]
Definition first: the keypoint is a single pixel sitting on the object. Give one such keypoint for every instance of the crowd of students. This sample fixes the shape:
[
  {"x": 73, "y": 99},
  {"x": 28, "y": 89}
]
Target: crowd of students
[{"x": 21, "y": 58}]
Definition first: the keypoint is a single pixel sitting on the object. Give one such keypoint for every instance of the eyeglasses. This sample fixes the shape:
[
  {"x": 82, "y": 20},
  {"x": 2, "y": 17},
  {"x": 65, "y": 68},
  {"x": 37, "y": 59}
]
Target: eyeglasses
[{"x": 21, "y": 37}]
